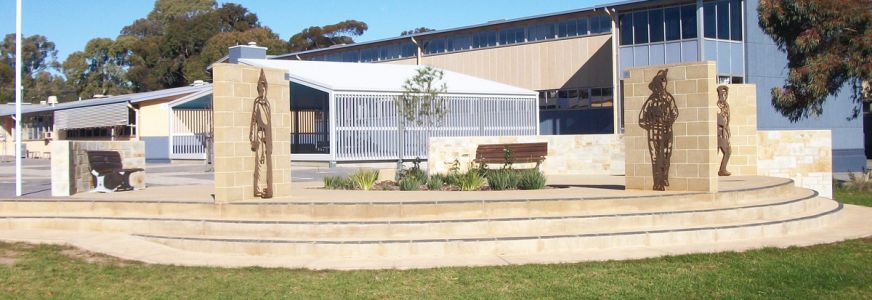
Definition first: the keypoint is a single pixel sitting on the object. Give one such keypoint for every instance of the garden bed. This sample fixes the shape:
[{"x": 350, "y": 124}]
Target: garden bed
[{"x": 417, "y": 180}]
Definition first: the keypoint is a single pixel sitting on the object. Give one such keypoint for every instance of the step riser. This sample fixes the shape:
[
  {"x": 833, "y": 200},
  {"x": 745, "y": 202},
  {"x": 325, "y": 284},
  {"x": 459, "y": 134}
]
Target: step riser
[
  {"x": 405, "y": 230},
  {"x": 490, "y": 209},
  {"x": 507, "y": 247}
]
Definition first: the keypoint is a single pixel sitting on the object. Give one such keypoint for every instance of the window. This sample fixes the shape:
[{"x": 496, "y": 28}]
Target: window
[
  {"x": 35, "y": 127},
  {"x": 567, "y": 28},
  {"x": 735, "y": 20},
  {"x": 708, "y": 19},
  {"x": 626, "y": 21},
  {"x": 369, "y": 55},
  {"x": 600, "y": 24},
  {"x": 655, "y": 18},
  {"x": 435, "y": 46},
  {"x": 459, "y": 42},
  {"x": 484, "y": 39},
  {"x": 673, "y": 23},
  {"x": 512, "y": 36},
  {"x": 351, "y": 56},
  {"x": 688, "y": 22},
  {"x": 575, "y": 99},
  {"x": 540, "y": 32},
  {"x": 640, "y": 27},
  {"x": 389, "y": 52},
  {"x": 582, "y": 26},
  {"x": 723, "y": 11}
]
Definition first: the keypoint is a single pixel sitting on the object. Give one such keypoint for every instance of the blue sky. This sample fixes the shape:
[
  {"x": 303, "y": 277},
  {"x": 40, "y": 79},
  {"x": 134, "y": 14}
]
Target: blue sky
[{"x": 70, "y": 24}]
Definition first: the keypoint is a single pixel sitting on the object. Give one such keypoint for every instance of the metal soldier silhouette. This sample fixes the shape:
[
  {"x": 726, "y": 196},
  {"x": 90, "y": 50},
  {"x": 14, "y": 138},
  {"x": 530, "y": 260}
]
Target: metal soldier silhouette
[
  {"x": 260, "y": 135},
  {"x": 724, "y": 129},
  {"x": 658, "y": 114}
]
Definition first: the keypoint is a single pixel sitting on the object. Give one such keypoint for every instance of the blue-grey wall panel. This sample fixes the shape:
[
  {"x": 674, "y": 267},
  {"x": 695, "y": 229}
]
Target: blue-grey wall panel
[
  {"x": 157, "y": 148},
  {"x": 724, "y": 58},
  {"x": 766, "y": 67},
  {"x": 656, "y": 54},
  {"x": 710, "y": 50},
  {"x": 673, "y": 53},
  {"x": 626, "y": 59},
  {"x": 640, "y": 56},
  {"x": 737, "y": 59},
  {"x": 690, "y": 51}
]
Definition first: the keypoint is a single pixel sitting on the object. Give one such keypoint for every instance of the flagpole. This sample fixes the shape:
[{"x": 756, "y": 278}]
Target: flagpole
[{"x": 17, "y": 84}]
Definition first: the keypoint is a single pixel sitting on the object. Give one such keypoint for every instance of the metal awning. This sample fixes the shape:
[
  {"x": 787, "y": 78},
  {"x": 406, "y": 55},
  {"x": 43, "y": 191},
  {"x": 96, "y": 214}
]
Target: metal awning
[{"x": 107, "y": 115}]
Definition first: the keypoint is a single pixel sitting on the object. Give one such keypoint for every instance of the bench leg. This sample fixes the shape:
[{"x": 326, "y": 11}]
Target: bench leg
[
  {"x": 125, "y": 182},
  {"x": 101, "y": 186}
]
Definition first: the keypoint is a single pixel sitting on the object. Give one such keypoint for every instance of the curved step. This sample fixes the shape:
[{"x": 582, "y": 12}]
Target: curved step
[
  {"x": 798, "y": 201},
  {"x": 506, "y": 245},
  {"x": 402, "y": 210}
]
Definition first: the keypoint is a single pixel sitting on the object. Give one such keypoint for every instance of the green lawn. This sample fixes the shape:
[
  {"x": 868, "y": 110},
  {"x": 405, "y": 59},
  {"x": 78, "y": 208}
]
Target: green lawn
[
  {"x": 835, "y": 271},
  {"x": 853, "y": 197}
]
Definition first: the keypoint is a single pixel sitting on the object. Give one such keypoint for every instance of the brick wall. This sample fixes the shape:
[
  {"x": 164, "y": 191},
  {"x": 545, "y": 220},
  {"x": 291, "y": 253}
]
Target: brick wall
[
  {"x": 695, "y": 159},
  {"x": 743, "y": 127},
  {"x": 806, "y": 156},
  {"x": 234, "y": 90},
  {"x": 71, "y": 171},
  {"x": 595, "y": 154}
]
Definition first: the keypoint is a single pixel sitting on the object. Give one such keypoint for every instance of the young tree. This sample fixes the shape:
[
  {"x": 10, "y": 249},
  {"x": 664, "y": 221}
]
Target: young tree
[
  {"x": 420, "y": 103},
  {"x": 316, "y": 37},
  {"x": 828, "y": 44}
]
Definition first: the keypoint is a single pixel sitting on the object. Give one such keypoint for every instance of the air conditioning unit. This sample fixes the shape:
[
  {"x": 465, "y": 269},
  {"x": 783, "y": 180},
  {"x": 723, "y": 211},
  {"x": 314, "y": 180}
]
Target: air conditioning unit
[{"x": 47, "y": 135}]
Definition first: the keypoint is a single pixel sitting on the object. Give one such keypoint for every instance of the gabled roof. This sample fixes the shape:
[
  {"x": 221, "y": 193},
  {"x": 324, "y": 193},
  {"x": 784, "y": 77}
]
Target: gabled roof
[
  {"x": 366, "y": 77},
  {"x": 129, "y": 98}
]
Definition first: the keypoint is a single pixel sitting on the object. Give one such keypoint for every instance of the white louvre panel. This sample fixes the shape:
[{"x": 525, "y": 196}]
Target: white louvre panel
[{"x": 107, "y": 115}]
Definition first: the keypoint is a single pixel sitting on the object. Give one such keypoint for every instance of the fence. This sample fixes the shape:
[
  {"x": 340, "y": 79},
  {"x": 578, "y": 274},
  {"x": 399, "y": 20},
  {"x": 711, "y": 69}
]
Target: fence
[
  {"x": 188, "y": 133},
  {"x": 366, "y": 123}
]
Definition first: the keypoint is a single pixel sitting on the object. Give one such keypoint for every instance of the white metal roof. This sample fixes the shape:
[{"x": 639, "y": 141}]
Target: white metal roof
[
  {"x": 129, "y": 98},
  {"x": 368, "y": 77}
]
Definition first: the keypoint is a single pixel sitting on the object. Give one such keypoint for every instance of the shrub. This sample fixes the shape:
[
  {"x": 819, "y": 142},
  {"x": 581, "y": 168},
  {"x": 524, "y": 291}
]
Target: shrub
[
  {"x": 364, "y": 179},
  {"x": 471, "y": 180},
  {"x": 436, "y": 182},
  {"x": 409, "y": 183},
  {"x": 337, "y": 183},
  {"x": 505, "y": 179},
  {"x": 860, "y": 183},
  {"x": 531, "y": 180},
  {"x": 452, "y": 180}
]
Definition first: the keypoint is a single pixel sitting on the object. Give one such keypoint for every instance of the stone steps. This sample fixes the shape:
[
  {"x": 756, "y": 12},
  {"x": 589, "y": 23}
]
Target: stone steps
[
  {"x": 424, "y": 246},
  {"x": 412, "y": 209},
  {"x": 568, "y": 222}
]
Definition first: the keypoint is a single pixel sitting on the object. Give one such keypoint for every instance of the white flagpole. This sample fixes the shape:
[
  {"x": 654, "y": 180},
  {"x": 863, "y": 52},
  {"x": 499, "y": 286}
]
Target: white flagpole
[{"x": 18, "y": 86}]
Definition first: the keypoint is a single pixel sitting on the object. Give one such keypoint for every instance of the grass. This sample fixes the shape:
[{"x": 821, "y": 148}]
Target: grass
[
  {"x": 851, "y": 196},
  {"x": 835, "y": 271}
]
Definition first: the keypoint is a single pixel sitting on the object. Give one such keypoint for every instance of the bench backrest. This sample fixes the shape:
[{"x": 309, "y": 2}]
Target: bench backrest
[
  {"x": 105, "y": 160},
  {"x": 523, "y": 152}
]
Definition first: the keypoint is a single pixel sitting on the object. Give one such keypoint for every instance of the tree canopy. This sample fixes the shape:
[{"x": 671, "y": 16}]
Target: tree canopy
[
  {"x": 416, "y": 30},
  {"x": 828, "y": 44},
  {"x": 169, "y": 47},
  {"x": 316, "y": 37}
]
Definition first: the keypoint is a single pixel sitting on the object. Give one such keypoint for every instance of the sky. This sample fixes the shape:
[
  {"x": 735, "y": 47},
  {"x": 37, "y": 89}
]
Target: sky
[{"x": 71, "y": 24}]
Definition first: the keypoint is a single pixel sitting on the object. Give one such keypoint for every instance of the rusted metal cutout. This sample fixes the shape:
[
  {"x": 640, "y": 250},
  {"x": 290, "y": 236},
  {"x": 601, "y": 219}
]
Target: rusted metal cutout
[
  {"x": 724, "y": 129},
  {"x": 657, "y": 116},
  {"x": 260, "y": 135}
]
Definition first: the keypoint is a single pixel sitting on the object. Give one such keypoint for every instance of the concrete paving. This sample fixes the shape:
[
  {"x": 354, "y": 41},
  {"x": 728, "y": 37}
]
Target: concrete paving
[{"x": 852, "y": 224}]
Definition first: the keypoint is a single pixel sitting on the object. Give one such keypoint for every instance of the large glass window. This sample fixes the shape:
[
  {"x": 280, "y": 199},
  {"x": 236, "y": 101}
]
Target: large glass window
[
  {"x": 655, "y": 18},
  {"x": 600, "y": 24},
  {"x": 409, "y": 50},
  {"x": 709, "y": 20},
  {"x": 459, "y": 42},
  {"x": 673, "y": 23},
  {"x": 435, "y": 46},
  {"x": 723, "y": 12},
  {"x": 583, "y": 26},
  {"x": 369, "y": 54},
  {"x": 626, "y": 21},
  {"x": 540, "y": 32},
  {"x": 484, "y": 39},
  {"x": 567, "y": 28},
  {"x": 640, "y": 27},
  {"x": 351, "y": 56},
  {"x": 735, "y": 20},
  {"x": 688, "y": 22},
  {"x": 512, "y": 36}
]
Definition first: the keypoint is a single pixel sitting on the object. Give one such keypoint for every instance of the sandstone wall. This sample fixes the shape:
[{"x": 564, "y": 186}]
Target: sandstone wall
[{"x": 806, "y": 156}]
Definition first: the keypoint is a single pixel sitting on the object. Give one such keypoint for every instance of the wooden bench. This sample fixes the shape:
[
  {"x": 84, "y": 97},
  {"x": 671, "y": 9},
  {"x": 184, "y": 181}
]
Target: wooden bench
[
  {"x": 109, "y": 172},
  {"x": 511, "y": 153}
]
